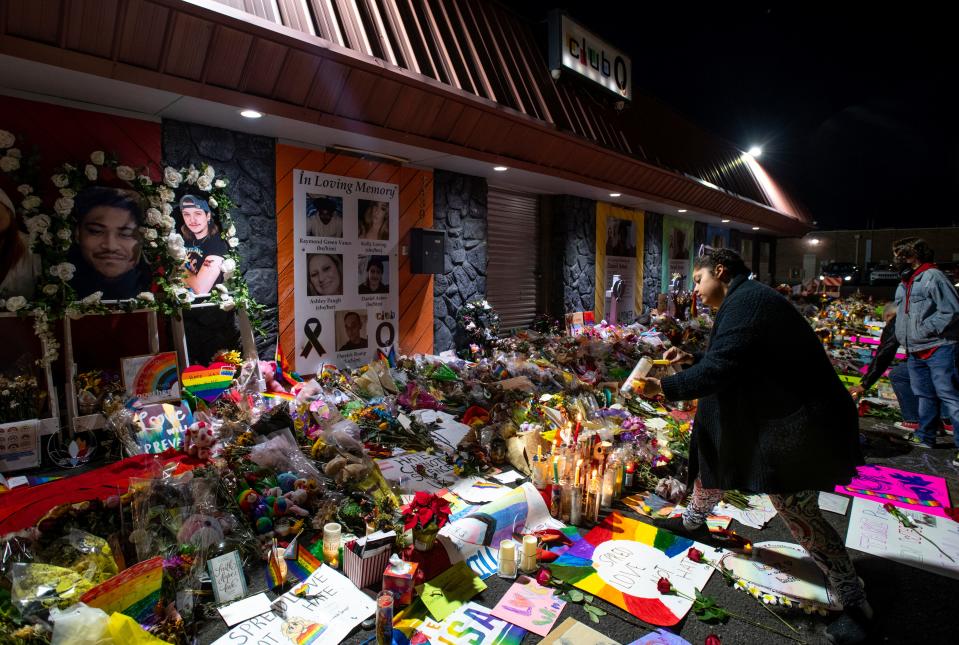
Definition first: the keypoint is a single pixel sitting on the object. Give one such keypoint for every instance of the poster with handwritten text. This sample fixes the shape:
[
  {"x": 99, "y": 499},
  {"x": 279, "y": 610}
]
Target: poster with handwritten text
[{"x": 530, "y": 605}]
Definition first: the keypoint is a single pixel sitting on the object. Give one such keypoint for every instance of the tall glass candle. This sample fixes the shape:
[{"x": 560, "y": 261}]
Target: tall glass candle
[
  {"x": 507, "y": 559},
  {"x": 331, "y": 544}
]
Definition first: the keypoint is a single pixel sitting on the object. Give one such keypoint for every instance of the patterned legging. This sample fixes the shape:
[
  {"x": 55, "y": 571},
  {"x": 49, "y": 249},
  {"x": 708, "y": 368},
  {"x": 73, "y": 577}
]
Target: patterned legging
[{"x": 808, "y": 526}]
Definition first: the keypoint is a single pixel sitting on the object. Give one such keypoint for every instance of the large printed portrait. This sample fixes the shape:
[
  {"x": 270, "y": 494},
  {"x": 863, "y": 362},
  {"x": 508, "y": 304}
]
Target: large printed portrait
[
  {"x": 205, "y": 247},
  {"x": 18, "y": 265},
  {"x": 374, "y": 220},
  {"x": 620, "y": 240},
  {"x": 324, "y": 274},
  {"x": 351, "y": 330}
]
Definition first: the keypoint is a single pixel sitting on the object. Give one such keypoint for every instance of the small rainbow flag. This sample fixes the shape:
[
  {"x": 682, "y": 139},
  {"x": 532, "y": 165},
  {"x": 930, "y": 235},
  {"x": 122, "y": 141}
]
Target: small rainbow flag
[
  {"x": 208, "y": 383},
  {"x": 276, "y": 568},
  {"x": 390, "y": 358},
  {"x": 304, "y": 564},
  {"x": 283, "y": 370},
  {"x": 286, "y": 396}
]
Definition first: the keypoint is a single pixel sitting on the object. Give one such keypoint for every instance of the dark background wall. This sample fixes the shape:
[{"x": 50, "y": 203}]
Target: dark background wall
[
  {"x": 653, "y": 258},
  {"x": 248, "y": 162},
  {"x": 459, "y": 208},
  {"x": 699, "y": 235},
  {"x": 570, "y": 257}
]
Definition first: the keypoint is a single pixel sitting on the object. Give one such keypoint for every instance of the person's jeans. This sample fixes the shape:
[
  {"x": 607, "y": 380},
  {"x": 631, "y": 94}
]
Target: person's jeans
[
  {"x": 908, "y": 402},
  {"x": 935, "y": 381}
]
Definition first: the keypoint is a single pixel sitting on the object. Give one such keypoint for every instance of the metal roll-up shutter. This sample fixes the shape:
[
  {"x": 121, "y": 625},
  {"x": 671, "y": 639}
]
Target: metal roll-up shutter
[{"x": 512, "y": 280}]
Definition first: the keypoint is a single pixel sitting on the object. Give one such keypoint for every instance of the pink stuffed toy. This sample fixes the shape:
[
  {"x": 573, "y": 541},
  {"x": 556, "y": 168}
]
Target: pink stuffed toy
[
  {"x": 199, "y": 440},
  {"x": 268, "y": 372}
]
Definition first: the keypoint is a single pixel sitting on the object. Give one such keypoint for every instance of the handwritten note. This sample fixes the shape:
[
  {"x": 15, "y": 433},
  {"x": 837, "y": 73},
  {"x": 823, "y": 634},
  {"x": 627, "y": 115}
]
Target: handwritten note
[
  {"x": 226, "y": 572},
  {"x": 241, "y": 610},
  {"x": 529, "y": 605},
  {"x": 445, "y": 593},
  {"x": 161, "y": 426},
  {"x": 833, "y": 503},
  {"x": 19, "y": 445},
  {"x": 472, "y": 623},
  {"x": 418, "y": 471}
]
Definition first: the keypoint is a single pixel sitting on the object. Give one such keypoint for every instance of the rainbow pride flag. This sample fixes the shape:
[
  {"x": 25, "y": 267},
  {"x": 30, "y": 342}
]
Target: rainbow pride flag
[
  {"x": 133, "y": 592},
  {"x": 304, "y": 564},
  {"x": 390, "y": 358},
  {"x": 276, "y": 568},
  {"x": 283, "y": 370}
]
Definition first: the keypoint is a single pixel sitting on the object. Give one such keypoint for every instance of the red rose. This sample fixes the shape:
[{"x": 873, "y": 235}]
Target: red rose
[
  {"x": 664, "y": 586},
  {"x": 889, "y": 507},
  {"x": 694, "y": 554},
  {"x": 543, "y": 576},
  {"x": 712, "y": 639}
]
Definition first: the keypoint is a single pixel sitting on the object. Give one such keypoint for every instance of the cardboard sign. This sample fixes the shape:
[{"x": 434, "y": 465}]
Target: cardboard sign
[
  {"x": 418, "y": 471},
  {"x": 530, "y": 605},
  {"x": 912, "y": 491},
  {"x": 19, "y": 445},
  {"x": 472, "y": 623},
  {"x": 161, "y": 426},
  {"x": 152, "y": 378}
]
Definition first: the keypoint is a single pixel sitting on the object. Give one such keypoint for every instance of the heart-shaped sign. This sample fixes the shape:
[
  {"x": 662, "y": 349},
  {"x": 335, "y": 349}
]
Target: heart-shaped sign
[{"x": 209, "y": 382}]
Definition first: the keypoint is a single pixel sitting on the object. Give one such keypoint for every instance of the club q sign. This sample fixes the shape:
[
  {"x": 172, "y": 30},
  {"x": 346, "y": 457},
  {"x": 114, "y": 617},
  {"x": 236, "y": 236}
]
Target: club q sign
[{"x": 573, "y": 47}]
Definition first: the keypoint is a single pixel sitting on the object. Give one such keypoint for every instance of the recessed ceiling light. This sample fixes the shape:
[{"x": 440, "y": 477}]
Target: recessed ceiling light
[
  {"x": 755, "y": 151},
  {"x": 755, "y": 228},
  {"x": 500, "y": 168},
  {"x": 681, "y": 210},
  {"x": 725, "y": 221},
  {"x": 615, "y": 194},
  {"x": 251, "y": 114}
]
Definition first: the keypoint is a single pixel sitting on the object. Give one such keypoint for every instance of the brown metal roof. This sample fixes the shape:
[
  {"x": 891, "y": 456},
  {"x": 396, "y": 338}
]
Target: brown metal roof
[{"x": 450, "y": 75}]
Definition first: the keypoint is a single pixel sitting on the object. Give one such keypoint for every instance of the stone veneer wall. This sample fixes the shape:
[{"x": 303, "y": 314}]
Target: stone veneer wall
[
  {"x": 653, "y": 258},
  {"x": 572, "y": 250},
  {"x": 459, "y": 208},
  {"x": 248, "y": 162}
]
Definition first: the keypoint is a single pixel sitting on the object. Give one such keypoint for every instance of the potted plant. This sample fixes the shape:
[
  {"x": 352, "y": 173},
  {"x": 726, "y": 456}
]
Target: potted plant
[{"x": 425, "y": 515}]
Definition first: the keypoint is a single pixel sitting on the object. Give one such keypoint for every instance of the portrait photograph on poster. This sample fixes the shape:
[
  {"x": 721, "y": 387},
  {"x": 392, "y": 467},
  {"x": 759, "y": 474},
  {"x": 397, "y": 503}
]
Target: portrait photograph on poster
[
  {"x": 373, "y": 274},
  {"x": 205, "y": 247},
  {"x": 107, "y": 247},
  {"x": 351, "y": 330},
  {"x": 374, "y": 220},
  {"x": 19, "y": 266},
  {"x": 324, "y": 216},
  {"x": 324, "y": 274},
  {"x": 620, "y": 240}
]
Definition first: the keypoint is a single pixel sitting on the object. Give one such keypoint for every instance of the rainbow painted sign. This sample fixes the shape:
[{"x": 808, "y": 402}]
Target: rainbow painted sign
[
  {"x": 134, "y": 591},
  {"x": 913, "y": 491},
  {"x": 209, "y": 382},
  {"x": 152, "y": 378},
  {"x": 621, "y": 560}
]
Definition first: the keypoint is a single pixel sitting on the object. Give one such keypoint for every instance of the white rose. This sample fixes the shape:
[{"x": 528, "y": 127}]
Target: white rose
[
  {"x": 148, "y": 233},
  {"x": 167, "y": 209},
  {"x": 93, "y": 298},
  {"x": 51, "y": 289},
  {"x": 171, "y": 177},
  {"x": 68, "y": 192},
  {"x": 60, "y": 180},
  {"x": 63, "y": 206},
  {"x": 15, "y": 153},
  {"x": 39, "y": 222},
  {"x": 64, "y": 271},
  {"x": 126, "y": 173},
  {"x": 68, "y": 166},
  {"x": 91, "y": 172},
  {"x": 231, "y": 231},
  {"x": 213, "y": 202},
  {"x": 9, "y": 164},
  {"x": 7, "y": 139},
  {"x": 227, "y": 304},
  {"x": 155, "y": 201},
  {"x": 46, "y": 238},
  {"x": 228, "y": 266},
  {"x": 153, "y": 217},
  {"x": 209, "y": 172},
  {"x": 16, "y": 303},
  {"x": 166, "y": 194},
  {"x": 220, "y": 183},
  {"x": 64, "y": 234},
  {"x": 146, "y": 295},
  {"x": 25, "y": 189},
  {"x": 177, "y": 253},
  {"x": 233, "y": 242},
  {"x": 97, "y": 157},
  {"x": 167, "y": 222},
  {"x": 192, "y": 175},
  {"x": 31, "y": 202},
  {"x": 204, "y": 183},
  {"x": 146, "y": 180}
]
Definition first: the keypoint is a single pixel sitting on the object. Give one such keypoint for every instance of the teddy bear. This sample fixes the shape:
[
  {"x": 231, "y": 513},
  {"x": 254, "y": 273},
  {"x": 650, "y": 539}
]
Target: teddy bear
[{"x": 199, "y": 440}]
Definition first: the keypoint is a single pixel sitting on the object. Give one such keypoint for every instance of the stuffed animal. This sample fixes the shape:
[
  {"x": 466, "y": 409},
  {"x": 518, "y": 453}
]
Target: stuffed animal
[
  {"x": 268, "y": 372},
  {"x": 199, "y": 440}
]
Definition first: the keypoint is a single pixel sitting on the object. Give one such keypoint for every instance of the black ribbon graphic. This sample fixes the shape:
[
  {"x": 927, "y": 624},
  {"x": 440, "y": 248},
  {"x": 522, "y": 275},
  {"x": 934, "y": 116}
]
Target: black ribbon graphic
[{"x": 312, "y": 329}]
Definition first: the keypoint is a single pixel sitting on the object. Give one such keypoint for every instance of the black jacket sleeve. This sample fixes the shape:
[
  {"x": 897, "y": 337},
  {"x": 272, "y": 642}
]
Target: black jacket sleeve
[{"x": 888, "y": 345}]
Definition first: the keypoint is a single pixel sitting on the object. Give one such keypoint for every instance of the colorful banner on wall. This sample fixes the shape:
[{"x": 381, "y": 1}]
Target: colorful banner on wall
[
  {"x": 345, "y": 269},
  {"x": 619, "y": 251},
  {"x": 677, "y": 251}
]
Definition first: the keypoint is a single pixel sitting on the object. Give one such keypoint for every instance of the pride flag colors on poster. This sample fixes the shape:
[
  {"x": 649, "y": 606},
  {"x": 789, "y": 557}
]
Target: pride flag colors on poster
[
  {"x": 621, "y": 560},
  {"x": 912, "y": 491}
]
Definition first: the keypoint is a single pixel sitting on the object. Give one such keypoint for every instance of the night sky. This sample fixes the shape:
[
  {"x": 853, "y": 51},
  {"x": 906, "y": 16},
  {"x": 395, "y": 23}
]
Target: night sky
[{"x": 849, "y": 103}]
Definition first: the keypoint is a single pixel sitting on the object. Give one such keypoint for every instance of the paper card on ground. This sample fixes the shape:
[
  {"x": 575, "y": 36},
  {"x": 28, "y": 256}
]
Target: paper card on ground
[
  {"x": 913, "y": 491},
  {"x": 758, "y": 514},
  {"x": 472, "y": 623},
  {"x": 477, "y": 490},
  {"x": 418, "y": 471},
  {"x": 874, "y": 530},
  {"x": 833, "y": 503},
  {"x": 661, "y": 637},
  {"x": 476, "y": 537},
  {"x": 331, "y": 608},
  {"x": 448, "y": 432},
  {"x": 573, "y": 631},
  {"x": 530, "y": 605},
  {"x": 226, "y": 573},
  {"x": 447, "y": 592},
  {"x": 621, "y": 560},
  {"x": 236, "y": 612},
  {"x": 509, "y": 477},
  {"x": 785, "y": 570}
]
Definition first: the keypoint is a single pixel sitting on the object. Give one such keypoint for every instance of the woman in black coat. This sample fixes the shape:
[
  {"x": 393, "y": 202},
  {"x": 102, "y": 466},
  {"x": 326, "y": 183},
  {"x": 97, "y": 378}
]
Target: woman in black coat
[{"x": 773, "y": 418}]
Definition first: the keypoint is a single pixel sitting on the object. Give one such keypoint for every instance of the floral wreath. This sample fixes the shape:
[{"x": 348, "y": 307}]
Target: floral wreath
[
  {"x": 479, "y": 320},
  {"x": 51, "y": 237}
]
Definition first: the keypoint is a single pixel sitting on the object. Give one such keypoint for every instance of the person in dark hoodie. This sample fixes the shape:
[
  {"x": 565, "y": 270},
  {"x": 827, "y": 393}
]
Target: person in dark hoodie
[
  {"x": 773, "y": 418},
  {"x": 927, "y": 327}
]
